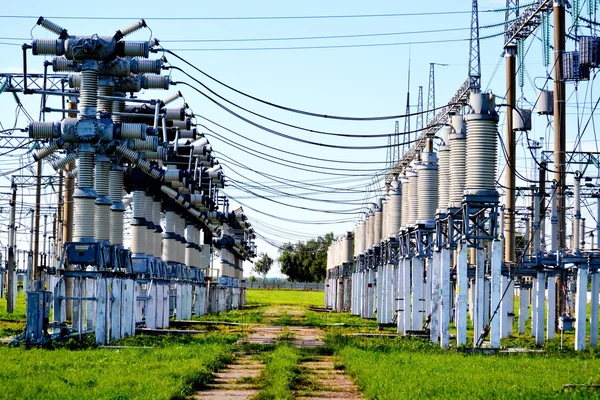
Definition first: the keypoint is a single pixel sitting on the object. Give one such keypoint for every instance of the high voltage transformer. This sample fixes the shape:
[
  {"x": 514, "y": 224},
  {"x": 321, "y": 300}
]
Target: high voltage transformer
[{"x": 108, "y": 146}]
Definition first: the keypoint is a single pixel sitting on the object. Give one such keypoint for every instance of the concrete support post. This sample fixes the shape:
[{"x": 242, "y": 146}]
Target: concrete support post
[
  {"x": 478, "y": 321},
  {"x": 496, "y": 293},
  {"x": 445, "y": 304},
  {"x": 594, "y": 308},
  {"x": 523, "y": 306},
  {"x": 406, "y": 296},
  {"x": 581, "y": 307},
  {"x": 551, "y": 308},
  {"x": 462, "y": 291},
  {"x": 540, "y": 295},
  {"x": 434, "y": 326},
  {"x": 417, "y": 295}
]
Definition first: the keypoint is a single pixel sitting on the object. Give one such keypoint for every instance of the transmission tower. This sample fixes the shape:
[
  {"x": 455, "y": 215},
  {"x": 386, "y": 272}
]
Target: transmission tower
[
  {"x": 474, "y": 54},
  {"x": 431, "y": 91},
  {"x": 419, "y": 111},
  {"x": 407, "y": 118},
  {"x": 393, "y": 151}
]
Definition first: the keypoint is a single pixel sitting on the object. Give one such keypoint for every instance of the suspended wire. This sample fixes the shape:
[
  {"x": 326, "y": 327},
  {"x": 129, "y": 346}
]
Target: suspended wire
[
  {"x": 284, "y": 107},
  {"x": 346, "y": 135}
]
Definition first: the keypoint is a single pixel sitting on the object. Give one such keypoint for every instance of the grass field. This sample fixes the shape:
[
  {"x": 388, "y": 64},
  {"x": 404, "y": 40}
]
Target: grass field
[
  {"x": 173, "y": 369},
  {"x": 288, "y": 297},
  {"x": 410, "y": 368}
]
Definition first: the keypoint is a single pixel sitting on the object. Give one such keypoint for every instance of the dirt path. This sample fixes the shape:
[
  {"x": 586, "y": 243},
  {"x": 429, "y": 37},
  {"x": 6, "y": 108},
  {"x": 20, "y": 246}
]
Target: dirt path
[{"x": 237, "y": 380}]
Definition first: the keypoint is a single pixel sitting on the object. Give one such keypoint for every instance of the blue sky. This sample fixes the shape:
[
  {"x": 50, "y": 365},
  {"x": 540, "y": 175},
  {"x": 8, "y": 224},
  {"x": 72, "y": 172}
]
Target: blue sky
[{"x": 370, "y": 80}]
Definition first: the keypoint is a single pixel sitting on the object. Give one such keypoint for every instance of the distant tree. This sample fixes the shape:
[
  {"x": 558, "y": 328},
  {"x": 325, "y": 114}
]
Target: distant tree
[
  {"x": 263, "y": 265},
  {"x": 252, "y": 278},
  {"x": 305, "y": 261}
]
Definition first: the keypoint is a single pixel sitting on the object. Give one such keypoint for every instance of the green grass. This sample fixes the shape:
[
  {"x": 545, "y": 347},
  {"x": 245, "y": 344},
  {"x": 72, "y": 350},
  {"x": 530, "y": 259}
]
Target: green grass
[
  {"x": 281, "y": 373},
  {"x": 406, "y": 368},
  {"x": 289, "y": 297},
  {"x": 12, "y": 324},
  {"x": 173, "y": 369}
]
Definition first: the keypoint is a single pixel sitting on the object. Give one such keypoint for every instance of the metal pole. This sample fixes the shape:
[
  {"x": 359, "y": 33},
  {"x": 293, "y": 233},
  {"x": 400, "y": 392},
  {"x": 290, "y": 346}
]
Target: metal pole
[
  {"x": 560, "y": 140},
  {"x": 542, "y": 208},
  {"x": 67, "y": 231},
  {"x": 10, "y": 293},
  {"x": 37, "y": 272},
  {"x": 511, "y": 149}
]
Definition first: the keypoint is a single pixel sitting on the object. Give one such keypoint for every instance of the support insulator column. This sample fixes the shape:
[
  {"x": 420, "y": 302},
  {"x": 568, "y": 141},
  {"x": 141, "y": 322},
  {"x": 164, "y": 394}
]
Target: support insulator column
[
  {"x": 138, "y": 223},
  {"x": 103, "y": 201},
  {"x": 117, "y": 209},
  {"x": 84, "y": 197}
]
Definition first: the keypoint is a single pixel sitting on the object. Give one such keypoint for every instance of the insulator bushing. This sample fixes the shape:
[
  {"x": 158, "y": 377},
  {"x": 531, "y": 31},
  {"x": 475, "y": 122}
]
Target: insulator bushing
[
  {"x": 133, "y": 131},
  {"x": 121, "y": 33},
  {"x": 75, "y": 80},
  {"x": 405, "y": 198},
  {"x": 177, "y": 114},
  {"x": 155, "y": 82},
  {"x": 105, "y": 105},
  {"x": 172, "y": 98},
  {"x": 458, "y": 164},
  {"x": 86, "y": 170},
  {"x": 45, "y": 151},
  {"x": 116, "y": 185},
  {"x": 151, "y": 144},
  {"x": 88, "y": 94},
  {"x": 118, "y": 107},
  {"x": 143, "y": 66},
  {"x": 49, "y": 47},
  {"x": 136, "y": 49},
  {"x": 394, "y": 205},
  {"x": 44, "y": 130},
  {"x": 83, "y": 216},
  {"x": 63, "y": 162},
  {"x": 413, "y": 193},
  {"x": 51, "y": 26},
  {"x": 427, "y": 181},
  {"x": 139, "y": 204},
  {"x": 102, "y": 174},
  {"x": 62, "y": 64}
]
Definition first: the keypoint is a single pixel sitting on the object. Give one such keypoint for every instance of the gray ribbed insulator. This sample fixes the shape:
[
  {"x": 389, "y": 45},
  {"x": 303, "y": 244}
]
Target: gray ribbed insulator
[
  {"x": 105, "y": 105},
  {"x": 413, "y": 195},
  {"x": 88, "y": 94},
  {"x": 151, "y": 143},
  {"x": 133, "y": 131},
  {"x": 156, "y": 251},
  {"x": 350, "y": 239},
  {"x": 149, "y": 216},
  {"x": 443, "y": 178},
  {"x": 62, "y": 64},
  {"x": 83, "y": 218},
  {"x": 139, "y": 204},
  {"x": 405, "y": 199},
  {"x": 377, "y": 226},
  {"x": 155, "y": 82},
  {"x": 86, "y": 170},
  {"x": 136, "y": 49},
  {"x": 458, "y": 154},
  {"x": 482, "y": 131},
  {"x": 116, "y": 185},
  {"x": 482, "y": 149},
  {"x": 41, "y": 130},
  {"x": 118, "y": 107},
  {"x": 385, "y": 217},
  {"x": 427, "y": 181},
  {"x": 102, "y": 174},
  {"x": 51, "y": 26},
  {"x": 116, "y": 228},
  {"x": 63, "y": 162},
  {"x": 362, "y": 231},
  {"x": 369, "y": 231},
  {"x": 49, "y": 47},
  {"x": 394, "y": 205}
]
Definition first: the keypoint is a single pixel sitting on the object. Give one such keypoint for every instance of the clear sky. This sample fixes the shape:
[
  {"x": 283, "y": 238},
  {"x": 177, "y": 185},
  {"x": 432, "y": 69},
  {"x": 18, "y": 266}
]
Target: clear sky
[{"x": 350, "y": 65}]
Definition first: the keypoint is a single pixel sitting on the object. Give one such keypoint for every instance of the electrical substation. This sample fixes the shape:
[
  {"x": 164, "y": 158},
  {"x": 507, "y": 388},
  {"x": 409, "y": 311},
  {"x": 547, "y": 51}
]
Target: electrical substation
[
  {"x": 439, "y": 247},
  {"x": 142, "y": 234},
  {"x": 113, "y": 151}
]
